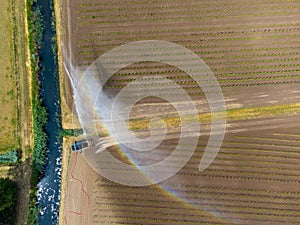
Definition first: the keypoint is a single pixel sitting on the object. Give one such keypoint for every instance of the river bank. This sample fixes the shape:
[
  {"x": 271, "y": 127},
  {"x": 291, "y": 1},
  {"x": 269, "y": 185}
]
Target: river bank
[{"x": 66, "y": 115}]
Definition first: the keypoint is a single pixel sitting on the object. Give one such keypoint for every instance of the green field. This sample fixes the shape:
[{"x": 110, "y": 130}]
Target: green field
[{"x": 8, "y": 116}]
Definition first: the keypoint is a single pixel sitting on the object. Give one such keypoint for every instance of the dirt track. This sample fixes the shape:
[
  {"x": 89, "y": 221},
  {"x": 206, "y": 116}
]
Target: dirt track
[{"x": 79, "y": 195}]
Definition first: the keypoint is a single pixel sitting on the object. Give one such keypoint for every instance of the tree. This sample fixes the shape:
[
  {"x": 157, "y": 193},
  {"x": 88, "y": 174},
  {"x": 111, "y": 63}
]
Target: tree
[{"x": 8, "y": 195}]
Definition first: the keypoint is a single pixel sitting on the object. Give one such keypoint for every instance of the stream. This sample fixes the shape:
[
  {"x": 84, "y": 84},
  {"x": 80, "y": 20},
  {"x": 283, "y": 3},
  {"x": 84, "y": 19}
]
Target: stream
[{"x": 49, "y": 186}]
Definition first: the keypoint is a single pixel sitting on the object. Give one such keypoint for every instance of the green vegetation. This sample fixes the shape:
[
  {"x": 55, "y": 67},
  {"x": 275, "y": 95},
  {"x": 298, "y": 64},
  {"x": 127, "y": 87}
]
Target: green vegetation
[
  {"x": 70, "y": 132},
  {"x": 35, "y": 27},
  {"x": 35, "y": 37},
  {"x": 9, "y": 157},
  {"x": 33, "y": 210},
  {"x": 38, "y": 28},
  {"x": 40, "y": 136},
  {"x": 40, "y": 116},
  {"x": 8, "y": 194}
]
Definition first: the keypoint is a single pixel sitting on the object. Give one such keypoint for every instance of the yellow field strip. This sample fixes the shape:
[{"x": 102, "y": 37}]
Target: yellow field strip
[{"x": 231, "y": 115}]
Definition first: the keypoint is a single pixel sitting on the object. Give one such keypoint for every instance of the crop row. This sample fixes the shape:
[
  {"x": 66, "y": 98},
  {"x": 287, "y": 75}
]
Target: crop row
[
  {"x": 153, "y": 20},
  {"x": 213, "y": 29},
  {"x": 129, "y": 206},
  {"x": 288, "y": 37},
  {"x": 196, "y": 17},
  {"x": 284, "y": 151},
  {"x": 86, "y": 45},
  {"x": 168, "y": 2},
  {"x": 92, "y": 55},
  {"x": 169, "y": 8},
  {"x": 188, "y": 82},
  {"x": 297, "y": 65},
  {"x": 181, "y": 8},
  {"x": 207, "y": 189},
  {"x": 268, "y": 164},
  {"x": 269, "y": 139},
  {"x": 246, "y": 194},
  {"x": 280, "y": 51},
  {"x": 287, "y": 135},
  {"x": 224, "y": 61},
  {"x": 123, "y": 83},
  {"x": 186, "y": 40},
  {"x": 150, "y": 207},
  {"x": 122, "y": 219},
  {"x": 282, "y": 166},
  {"x": 150, "y": 200},
  {"x": 215, "y": 47},
  {"x": 127, "y": 76},
  {"x": 161, "y": 69},
  {"x": 283, "y": 52},
  {"x": 176, "y": 12},
  {"x": 281, "y": 163},
  {"x": 258, "y": 196},
  {"x": 195, "y": 91},
  {"x": 272, "y": 146},
  {"x": 179, "y": 76}
]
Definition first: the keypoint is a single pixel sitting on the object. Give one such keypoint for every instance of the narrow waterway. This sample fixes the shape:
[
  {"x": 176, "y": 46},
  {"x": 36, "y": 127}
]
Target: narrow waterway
[{"x": 49, "y": 186}]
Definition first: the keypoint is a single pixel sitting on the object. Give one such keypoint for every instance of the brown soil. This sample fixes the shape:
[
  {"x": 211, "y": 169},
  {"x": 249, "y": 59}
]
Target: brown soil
[
  {"x": 255, "y": 177},
  {"x": 253, "y": 180},
  {"x": 79, "y": 194}
]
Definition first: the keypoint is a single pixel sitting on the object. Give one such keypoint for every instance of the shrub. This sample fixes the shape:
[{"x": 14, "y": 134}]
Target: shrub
[
  {"x": 40, "y": 149},
  {"x": 8, "y": 196},
  {"x": 70, "y": 132},
  {"x": 9, "y": 157},
  {"x": 38, "y": 26}
]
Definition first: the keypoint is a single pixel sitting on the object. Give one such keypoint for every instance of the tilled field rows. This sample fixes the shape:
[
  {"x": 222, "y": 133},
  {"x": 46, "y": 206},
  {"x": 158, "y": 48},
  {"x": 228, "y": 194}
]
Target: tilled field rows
[
  {"x": 240, "y": 49},
  {"x": 252, "y": 47},
  {"x": 158, "y": 11},
  {"x": 249, "y": 182}
]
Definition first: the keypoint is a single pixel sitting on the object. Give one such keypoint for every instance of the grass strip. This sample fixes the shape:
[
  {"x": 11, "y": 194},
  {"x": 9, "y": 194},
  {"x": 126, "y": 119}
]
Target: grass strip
[{"x": 231, "y": 115}]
